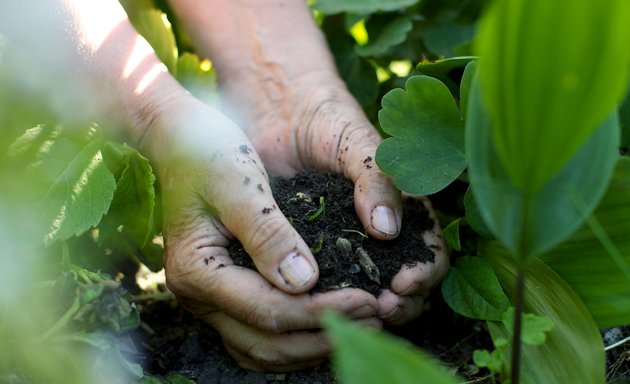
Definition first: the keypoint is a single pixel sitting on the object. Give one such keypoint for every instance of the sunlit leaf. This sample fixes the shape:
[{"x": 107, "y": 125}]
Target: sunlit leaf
[
  {"x": 471, "y": 289},
  {"x": 544, "y": 110},
  {"x": 330, "y": 7},
  {"x": 154, "y": 26},
  {"x": 574, "y": 350},
  {"x": 197, "y": 77},
  {"x": 71, "y": 186},
  {"x": 532, "y": 224},
  {"x": 425, "y": 152},
  {"x": 392, "y": 32},
  {"x": 601, "y": 279},
  {"x": 365, "y": 356}
]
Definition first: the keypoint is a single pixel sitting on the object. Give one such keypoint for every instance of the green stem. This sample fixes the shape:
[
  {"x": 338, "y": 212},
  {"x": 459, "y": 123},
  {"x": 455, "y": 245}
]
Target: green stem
[
  {"x": 63, "y": 321},
  {"x": 518, "y": 323}
]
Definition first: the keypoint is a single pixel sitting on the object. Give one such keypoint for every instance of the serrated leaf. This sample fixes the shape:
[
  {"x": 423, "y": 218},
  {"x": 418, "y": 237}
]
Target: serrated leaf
[
  {"x": 426, "y": 150},
  {"x": 392, "y": 33},
  {"x": 574, "y": 350},
  {"x": 72, "y": 187},
  {"x": 365, "y": 356},
  {"x": 154, "y": 26},
  {"x": 471, "y": 289},
  {"x": 596, "y": 267},
  {"x": 534, "y": 103},
  {"x": 534, "y": 223},
  {"x": 492, "y": 361},
  {"x": 134, "y": 200},
  {"x": 535, "y": 328},
  {"x": 331, "y": 7}
]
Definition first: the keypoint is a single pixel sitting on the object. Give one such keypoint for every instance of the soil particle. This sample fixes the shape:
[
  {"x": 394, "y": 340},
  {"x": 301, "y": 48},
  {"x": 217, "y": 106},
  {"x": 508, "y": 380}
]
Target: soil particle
[
  {"x": 299, "y": 199},
  {"x": 245, "y": 149},
  {"x": 247, "y": 180},
  {"x": 260, "y": 187}
]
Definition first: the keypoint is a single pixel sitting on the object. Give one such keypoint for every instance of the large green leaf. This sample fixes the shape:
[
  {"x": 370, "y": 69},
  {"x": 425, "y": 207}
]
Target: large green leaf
[
  {"x": 574, "y": 350},
  {"x": 545, "y": 90},
  {"x": 330, "y": 7},
  {"x": 365, "y": 356},
  {"x": 425, "y": 152},
  {"x": 597, "y": 265},
  {"x": 533, "y": 224},
  {"x": 390, "y": 32},
  {"x": 134, "y": 200},
  {"x": 71, "y": 186},
  {"x": 471, "y": 289}
]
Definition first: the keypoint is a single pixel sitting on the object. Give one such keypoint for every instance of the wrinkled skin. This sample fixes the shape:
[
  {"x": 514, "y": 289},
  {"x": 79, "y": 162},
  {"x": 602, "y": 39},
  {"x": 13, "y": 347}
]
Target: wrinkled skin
[{"x": 296, "y": 114}]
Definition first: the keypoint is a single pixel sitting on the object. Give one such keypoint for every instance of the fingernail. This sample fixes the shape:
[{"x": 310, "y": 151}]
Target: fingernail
[
  {"x": 296, "y": 270},
  {"x": 384, "y": 220}
]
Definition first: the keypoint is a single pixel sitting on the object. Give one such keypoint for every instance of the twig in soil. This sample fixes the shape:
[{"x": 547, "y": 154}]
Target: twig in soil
[{"x": 617, "y": 344}]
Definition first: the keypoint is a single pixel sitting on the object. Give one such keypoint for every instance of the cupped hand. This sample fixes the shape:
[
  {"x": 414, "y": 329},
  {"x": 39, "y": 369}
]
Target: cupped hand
[
  {"x": 314, "y": 122},
  {"x": 215, "y": 188}
]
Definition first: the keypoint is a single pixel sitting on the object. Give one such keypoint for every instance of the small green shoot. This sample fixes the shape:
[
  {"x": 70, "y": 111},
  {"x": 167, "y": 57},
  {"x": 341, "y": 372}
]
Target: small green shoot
[
  {"x": 320, "y": 211},
  {"x": 318, "y": 246},
  {"x": 363, "y": 235}
]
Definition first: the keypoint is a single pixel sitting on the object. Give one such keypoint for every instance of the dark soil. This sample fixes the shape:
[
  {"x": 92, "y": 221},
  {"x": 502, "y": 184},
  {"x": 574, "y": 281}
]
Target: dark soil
[{"x": 300, "y": 200}]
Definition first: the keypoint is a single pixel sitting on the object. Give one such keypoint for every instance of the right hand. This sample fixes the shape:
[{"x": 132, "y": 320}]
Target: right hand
[{"x": 215, "y": 188}]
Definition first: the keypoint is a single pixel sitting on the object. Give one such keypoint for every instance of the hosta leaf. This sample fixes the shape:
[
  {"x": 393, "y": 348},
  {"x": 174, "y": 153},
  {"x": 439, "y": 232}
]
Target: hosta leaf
[
  {"x": 532, "y": 224},
  {"x": 601, "y": 279},
  {"x": 393, "y": 32},
  {"x": 574, "y": 350},
  {"x": 534, "y": 103},
  {"x": 365, "y": 356},
  {"x": 72, "y": 187},
  {"x": 426, "y": 150},
  {"x": 134, "y": 200},
  {"x": 330, "y": 7},
  {"x": 471, "y": 289},
  {"x": 153, "y": 25}
]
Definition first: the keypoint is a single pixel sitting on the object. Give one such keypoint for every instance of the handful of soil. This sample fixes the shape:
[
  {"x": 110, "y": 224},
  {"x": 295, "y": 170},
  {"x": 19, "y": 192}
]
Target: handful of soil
[{"x": 320, "y": 206}]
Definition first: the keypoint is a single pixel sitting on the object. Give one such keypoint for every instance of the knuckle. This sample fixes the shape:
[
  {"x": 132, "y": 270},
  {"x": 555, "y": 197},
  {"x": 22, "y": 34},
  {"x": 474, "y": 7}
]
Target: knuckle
[{"x": 267, "y": 233}]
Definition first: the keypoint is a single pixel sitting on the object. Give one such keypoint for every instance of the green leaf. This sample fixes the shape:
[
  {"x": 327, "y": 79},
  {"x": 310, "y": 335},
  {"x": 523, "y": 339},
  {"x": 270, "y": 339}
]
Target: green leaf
[
  {"x": 358, "y": 74},
  {"x": 532, "y": 224},
  {"x": 365, "y": 356},
  {"x": 574, "y": 350},
  {"x": 534, "y": 102},
  {"x": 451, "y": 234},
  {"x": 624, "y": 120},
  {"x": 426, "y": 150},
  {"x": 535, "y": 328},
  {"x": 597, "y": 268},
  {"x": 72, "y": 187},
  {"x": 444, "y": 38},
  {"x": 492, "y": 361},
  {"x": 330, "y": 7},
  {"x": 134, "y": 200},
  {"x": 447, "y": 71},
  {"x": 471, "y": 289},
  {"x": 464, "y": 87},
  {"x": 473, "y": 216},
  {"x": 393, "y": 32},
  {"x": 154, "y": 26},
  {"x": 197, "y": 77}
]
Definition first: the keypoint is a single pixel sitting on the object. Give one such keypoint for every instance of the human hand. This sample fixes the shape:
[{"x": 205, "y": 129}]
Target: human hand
[{"x": 215, "y": 188}]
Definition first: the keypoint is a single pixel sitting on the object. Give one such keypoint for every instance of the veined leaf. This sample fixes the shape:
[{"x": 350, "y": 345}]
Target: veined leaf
[
  {"x": 471, "y": 289},
  {"x": 574, "y": 350},
  {"x": 72, "y": 187},
  {"x": 585, "y": 261},
  {"x": 134, "y": 200},
  {"x": 393, "y": 32},
  {"x": 532, "y": 224},
  {"x": 330, "y": 7},
  {"x": 544, "y": 111},
  {"x": 365, "y": 356},
  {"x": 426, "y": 150}
]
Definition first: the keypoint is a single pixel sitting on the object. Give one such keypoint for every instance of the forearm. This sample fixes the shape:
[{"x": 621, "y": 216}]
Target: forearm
[
  {"x": 107, "y": 67},
  {"x": 272, "y": 38}
]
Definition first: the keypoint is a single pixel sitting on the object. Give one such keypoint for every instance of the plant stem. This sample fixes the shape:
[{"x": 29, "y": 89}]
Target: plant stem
[{"x": 518, "y": 323}]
